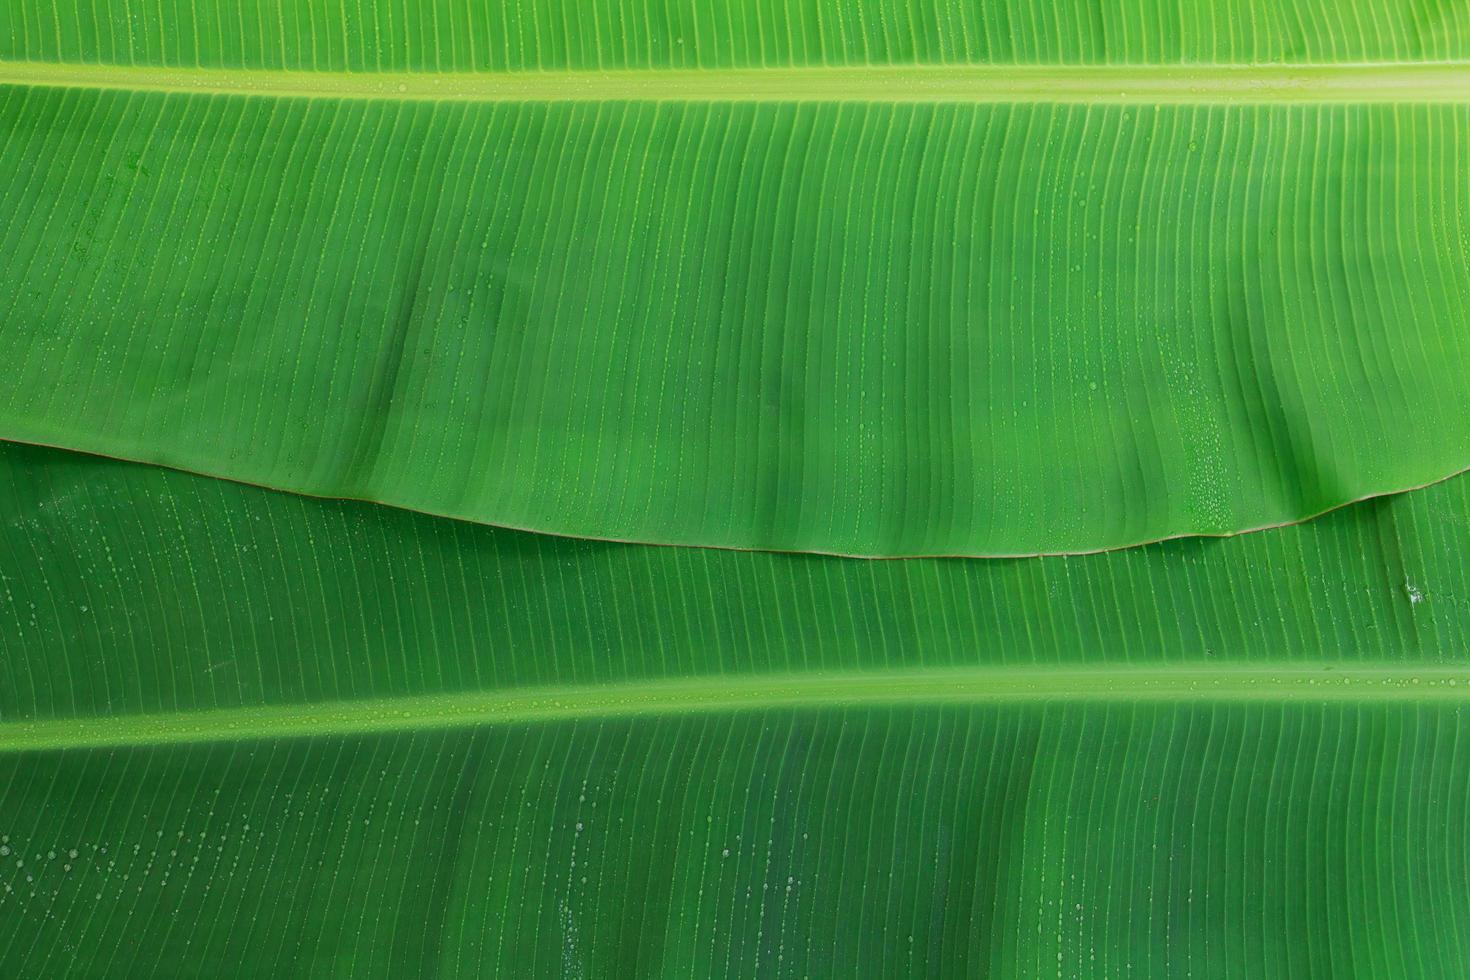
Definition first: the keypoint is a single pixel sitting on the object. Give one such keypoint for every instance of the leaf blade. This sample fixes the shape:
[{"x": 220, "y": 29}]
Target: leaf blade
[
  {"x": 453, "y": 853},
  {"x": 564, "y": 336}
]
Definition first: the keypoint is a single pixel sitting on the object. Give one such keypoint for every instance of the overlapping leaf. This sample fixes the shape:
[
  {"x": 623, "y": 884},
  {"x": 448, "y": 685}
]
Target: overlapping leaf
[{"x": 976, "y": 326}]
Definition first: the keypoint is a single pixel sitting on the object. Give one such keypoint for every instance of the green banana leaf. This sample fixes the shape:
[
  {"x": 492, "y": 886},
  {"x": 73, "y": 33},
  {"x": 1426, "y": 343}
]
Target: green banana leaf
[
  {"x": 740, "y": 307},
  {"x": 1020, "y": 278},
  {"x": 249, "y": 733}
]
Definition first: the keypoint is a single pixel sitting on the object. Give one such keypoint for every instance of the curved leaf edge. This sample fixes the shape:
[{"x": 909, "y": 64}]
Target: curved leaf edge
[{"x": 554, "y": 532}]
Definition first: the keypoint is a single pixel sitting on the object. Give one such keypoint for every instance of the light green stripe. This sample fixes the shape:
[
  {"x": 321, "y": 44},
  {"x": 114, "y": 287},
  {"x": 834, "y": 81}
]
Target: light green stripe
[
  {"x": 1243, "y": 84},
  {"x": 1267, "y": 683}
]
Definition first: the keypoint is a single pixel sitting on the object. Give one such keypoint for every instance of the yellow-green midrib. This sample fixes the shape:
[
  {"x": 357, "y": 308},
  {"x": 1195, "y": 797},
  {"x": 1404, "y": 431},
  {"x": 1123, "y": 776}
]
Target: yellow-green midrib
[
  {"x": 1265, "y": 683},
  {"x": 1100, "y": 84}
]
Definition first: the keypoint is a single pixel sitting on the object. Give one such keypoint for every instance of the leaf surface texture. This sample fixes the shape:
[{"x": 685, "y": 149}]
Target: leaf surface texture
[
  {"x": 1024, "y": 278},
  {"x": 972, "y": 323}
]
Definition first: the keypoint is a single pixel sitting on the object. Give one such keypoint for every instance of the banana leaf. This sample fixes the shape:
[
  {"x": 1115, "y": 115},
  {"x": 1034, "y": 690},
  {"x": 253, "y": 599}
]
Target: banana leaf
[
  {"x": 257, "y": 734},
  {"x": 862, "y": 309},
  {"x": 1013, "y": 280}
]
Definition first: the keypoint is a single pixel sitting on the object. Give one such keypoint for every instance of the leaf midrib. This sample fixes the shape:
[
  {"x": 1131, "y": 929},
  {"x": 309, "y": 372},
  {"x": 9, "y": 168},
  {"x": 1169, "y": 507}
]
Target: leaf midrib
[
  {"x": 739, "y": 693},
  {"x": 1433, "y": 82}
]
